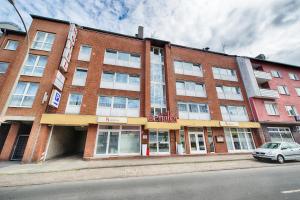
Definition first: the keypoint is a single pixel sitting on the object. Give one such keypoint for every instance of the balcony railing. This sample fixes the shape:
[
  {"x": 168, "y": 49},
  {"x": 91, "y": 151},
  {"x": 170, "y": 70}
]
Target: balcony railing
[
  {"x": 262, "y": 76},
  {"x": 188, "y": 115},
  {"x": 268, "y": 94}
]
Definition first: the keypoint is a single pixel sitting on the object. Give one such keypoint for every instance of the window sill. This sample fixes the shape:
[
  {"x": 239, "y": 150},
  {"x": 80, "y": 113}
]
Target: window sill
[
  {"x": 20, "y": 106},
  {"x": 41, "y": 49}
]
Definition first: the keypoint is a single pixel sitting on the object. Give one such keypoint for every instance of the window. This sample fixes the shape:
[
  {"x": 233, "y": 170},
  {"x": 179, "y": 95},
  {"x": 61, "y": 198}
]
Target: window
[
  {"x": 188, "y": 68},
  {"x": 239, "y": 139},
  {"x": 193, "y": 111},
  {"x": 120, "y": 81},
  {"x": 79, "y": 77},
  {"x": 119, "y": 102},
  {"x": 271, "y": 108},
  {"x": 85, "y": 53},
  {"x": 74, "y": 103},
  {"x": 3, "y": 67},
  {"x": 118, "y": 140},
  {"x": 34, "y": 65},
  {"x": 24, "y": 94},
  {"x": 226, "y": 92},
  {"x": 292, "y": 111},
  {"x": 297, "y": 89},
  {"x": 12, "y": 45},
  {"x": 224, "y": 74},
  {"x": 118, "y": 106},
  {"x": 275, "y": 74},
  {"x": 280, "y": 134},
  {"x": 157, "y": 82},
  {"x": 114, "y": 57},
  {"x": 43, "y": 41},
  {"x": 283, "y": 90},
  {"x": 234, "y": 113},
  {"x": 293, "y": 76},
  {"x": 190, "y": 89}
]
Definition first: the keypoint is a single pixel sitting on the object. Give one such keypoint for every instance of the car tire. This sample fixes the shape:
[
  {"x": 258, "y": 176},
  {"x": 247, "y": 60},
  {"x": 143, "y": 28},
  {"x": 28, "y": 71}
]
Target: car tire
[{"x": 280, "y": 159}]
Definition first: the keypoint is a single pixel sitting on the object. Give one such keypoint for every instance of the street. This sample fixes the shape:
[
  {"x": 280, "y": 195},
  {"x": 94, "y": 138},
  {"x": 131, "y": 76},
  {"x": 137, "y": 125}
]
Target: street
[{"x": 268, "y": 183}]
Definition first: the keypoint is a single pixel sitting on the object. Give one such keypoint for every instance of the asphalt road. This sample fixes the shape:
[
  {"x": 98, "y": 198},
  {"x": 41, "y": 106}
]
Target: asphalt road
[{"x": 269, "y": 183}]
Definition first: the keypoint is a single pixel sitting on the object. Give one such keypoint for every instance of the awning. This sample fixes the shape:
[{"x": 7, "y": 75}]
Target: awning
[
  {"x": 198, "y": 123},
  {"x": 84, "y": 120},
  {"x": 162, "y": 125}
]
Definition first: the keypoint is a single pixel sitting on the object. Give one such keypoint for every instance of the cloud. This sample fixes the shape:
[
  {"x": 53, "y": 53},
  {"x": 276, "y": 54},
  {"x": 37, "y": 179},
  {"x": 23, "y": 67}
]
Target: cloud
[{"x": 248, "y": 27}]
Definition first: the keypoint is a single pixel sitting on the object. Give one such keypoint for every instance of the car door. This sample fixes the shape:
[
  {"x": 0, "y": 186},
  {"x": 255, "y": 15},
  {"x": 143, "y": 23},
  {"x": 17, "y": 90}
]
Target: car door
[
  {"x": 287, "y": 151},
  {"x": 296, "y": 150}
]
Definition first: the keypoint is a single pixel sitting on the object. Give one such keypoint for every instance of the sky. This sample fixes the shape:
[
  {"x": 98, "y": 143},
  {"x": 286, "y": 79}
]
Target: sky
[{"x": 238, "y": 27}]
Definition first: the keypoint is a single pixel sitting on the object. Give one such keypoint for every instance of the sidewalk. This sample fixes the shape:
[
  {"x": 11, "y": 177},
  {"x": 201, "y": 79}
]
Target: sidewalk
[
  {"x": 75, "y": 163},
  {"x": 74, "y": 169}
]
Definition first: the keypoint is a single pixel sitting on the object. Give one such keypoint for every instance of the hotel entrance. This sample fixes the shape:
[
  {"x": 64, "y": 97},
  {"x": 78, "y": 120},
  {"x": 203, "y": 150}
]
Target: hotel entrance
[
  {"x": 159, "y": 142},
  {"x": 197, "y": 141}
]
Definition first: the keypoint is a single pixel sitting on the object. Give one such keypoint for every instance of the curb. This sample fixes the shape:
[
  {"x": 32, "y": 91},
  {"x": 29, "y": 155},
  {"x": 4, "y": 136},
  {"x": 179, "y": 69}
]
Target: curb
[{"x": 120, "y": 166}]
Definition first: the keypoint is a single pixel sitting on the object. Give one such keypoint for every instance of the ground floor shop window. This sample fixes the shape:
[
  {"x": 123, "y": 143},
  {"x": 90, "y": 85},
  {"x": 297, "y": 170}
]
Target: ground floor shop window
[
  {"x": 118, "y": 140},
  {"x": 239, "y": 139},
  {"x": 280, "y": 134},
  {"x": 159, "y": 142}
]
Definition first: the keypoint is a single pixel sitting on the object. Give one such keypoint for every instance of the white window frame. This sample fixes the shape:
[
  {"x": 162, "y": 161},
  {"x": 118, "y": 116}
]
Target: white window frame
[
  {"x": 293, "y": 76},
  {"x": 70, "y": 108},
  {"x": 8, "y": 43},
  {"x": 193, "y": 93},
  {"x": 7, "y": 65},
  {"x": 116, "y": 61},
  {"x": 192, "y": 115},
  {"x": 283, "y": 89},
  {"x": 35, "y": 65},
  {"x": 276, "y": 74},
  {"x": 227, "y": 77},
  {"x": 271, "y": 108},
  {"x": 82, "y": 57},
  {"x": 229, "y": 95},
  {"x": 297, "y": 90},
  {"x": 290, "y": 108},
  {"x": 120, "y": 86},
  {"x": 42, "y": 42},
  {"x": 193, "y": 72},
  {"x": 24, "y": 95},
  {"x": 75, "y": 81},
  {"x": 120, "y": 132},
  {"x": 118, "y": 112},
  {"x": 280, "y": 131},
  {"x": 238, "y": 130},
  {"x": 234, "y": 117}
]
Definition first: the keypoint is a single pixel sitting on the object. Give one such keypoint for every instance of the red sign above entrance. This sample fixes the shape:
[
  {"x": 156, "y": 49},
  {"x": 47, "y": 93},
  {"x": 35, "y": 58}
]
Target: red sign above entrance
[{"x": 163, "y": 117}]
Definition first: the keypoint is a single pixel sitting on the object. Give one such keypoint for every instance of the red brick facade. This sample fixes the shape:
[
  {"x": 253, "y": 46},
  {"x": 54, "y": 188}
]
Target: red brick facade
[{"x": 100, "y": 41}]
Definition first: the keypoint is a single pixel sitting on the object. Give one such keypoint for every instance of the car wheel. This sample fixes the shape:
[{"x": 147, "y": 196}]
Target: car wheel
[{"x": 280, "y": 159}]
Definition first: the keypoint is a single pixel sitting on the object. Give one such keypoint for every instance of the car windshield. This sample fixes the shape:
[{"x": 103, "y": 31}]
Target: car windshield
[{"x": 270, "y": 145}]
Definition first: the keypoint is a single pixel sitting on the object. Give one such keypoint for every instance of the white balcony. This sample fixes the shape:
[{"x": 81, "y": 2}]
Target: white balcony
[
  {"x": 118, "y": 112},
  {"x": 119, "y": 86},
  {"x": 187, "y": 115},
  {"x": 268, "y": 94},
  {"x": 262, "y": 76},
  {"x": 235, "y": 118}
]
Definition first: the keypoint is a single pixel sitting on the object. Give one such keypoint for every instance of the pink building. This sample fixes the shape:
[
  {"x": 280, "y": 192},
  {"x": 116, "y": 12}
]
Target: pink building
[{"x": 273, "y": 90}]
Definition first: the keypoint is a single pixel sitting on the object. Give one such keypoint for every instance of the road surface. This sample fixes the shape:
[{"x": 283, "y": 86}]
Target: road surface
[{"x": 268, "y": 183}]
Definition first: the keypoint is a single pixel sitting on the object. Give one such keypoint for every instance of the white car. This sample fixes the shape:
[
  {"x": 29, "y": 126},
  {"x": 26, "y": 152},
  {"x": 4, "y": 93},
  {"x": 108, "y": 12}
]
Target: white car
[{"x": 278, "y": 151}]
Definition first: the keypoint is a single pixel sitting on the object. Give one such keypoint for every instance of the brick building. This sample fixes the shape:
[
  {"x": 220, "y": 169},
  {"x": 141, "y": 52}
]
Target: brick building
[{"x": 101, "y": 94}]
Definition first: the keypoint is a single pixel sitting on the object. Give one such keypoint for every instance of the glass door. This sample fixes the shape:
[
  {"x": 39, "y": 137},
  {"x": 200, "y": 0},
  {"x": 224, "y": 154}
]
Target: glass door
[
  {"x": 159, "y": 142},
  {"x": 197, "y": 142}
]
